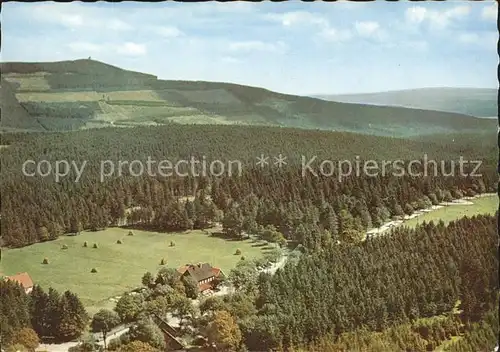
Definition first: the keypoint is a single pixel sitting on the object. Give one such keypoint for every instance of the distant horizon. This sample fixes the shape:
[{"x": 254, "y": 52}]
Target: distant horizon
[
  {"x": 293, "y": 48},
  {"x": 315, "y": 95},
  {"x": 401, "y": 90}
]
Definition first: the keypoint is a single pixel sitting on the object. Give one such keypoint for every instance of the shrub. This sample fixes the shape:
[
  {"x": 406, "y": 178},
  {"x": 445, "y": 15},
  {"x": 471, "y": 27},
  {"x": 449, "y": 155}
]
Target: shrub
[
  {"x": 200, "y": 341},
  {"x": 27, "y": 338},
  {"x": 85, "y": 244},
  {"x": 16, "y": 348},
  {"x": 64, "y": 246},
  {"x": 45, "y": 261},
  {"x": 95, "y": 245},
  {"x": 172, "y": 244},
  {"x": 93, "y": 271},
  {"x": 125, "y": 339},
  {"x": 119, "y": 242},
  {"x": 114, "y": 344},
  {"x": 163, "y": 261},
  {"x": 273, "y": 255},
  {"x": 242, "y": 258},
  {"x": 238, "y": 252},
  {"x": 130, "y": 233}
]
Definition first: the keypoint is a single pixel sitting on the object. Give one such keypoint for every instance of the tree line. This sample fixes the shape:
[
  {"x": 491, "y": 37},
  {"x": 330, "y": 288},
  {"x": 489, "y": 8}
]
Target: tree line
[{"x": 25, "y": 319}]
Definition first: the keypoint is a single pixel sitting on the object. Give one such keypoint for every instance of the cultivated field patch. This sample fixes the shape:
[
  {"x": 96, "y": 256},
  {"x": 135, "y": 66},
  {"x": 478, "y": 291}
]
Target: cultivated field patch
[
  {"x": 145, "y": 95},
  {"x": 220, "y": 96},
  {"x": 201, "y": 119},
  {"x": 58, "y": 96},
  {"x": 36, "y": 82},
  {"x": 139, "y": 95}
]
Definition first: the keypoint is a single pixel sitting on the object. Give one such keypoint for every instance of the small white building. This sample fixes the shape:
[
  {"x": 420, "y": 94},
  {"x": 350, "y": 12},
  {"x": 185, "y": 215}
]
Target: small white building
[{"x": 23, "y": 279}]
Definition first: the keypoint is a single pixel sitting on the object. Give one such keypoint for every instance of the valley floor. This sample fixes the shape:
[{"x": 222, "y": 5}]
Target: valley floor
[
  {"x": 119, "y": 266},
  {"x": 122, "y": 265}
]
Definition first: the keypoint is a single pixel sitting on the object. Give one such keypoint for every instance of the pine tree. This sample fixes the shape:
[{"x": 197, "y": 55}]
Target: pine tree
[
  {"x": 38, "y": 311},
  {"x": 14, "y": 309},
  {"x": 73, "y": 317}
]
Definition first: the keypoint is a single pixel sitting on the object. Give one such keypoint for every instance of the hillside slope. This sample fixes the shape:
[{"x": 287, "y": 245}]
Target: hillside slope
[
  {"x": 480, "y": 102},
  {"x": 13, "y": 114},
  {"x": 81, "y": 94}
]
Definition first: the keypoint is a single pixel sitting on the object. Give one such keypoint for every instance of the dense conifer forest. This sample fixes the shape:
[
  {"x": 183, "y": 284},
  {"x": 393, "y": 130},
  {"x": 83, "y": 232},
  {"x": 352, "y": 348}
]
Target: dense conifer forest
[
  {"x": 387, "y": 281},
  {"x": 283, "y": 197},
  {"x": 408, "y": 290}
]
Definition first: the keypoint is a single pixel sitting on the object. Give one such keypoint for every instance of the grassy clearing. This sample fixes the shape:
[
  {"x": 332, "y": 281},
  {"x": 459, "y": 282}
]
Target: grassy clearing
[
  {"x": 201, "y": 119},
  {"x": 56, "y": 97},
  {"x": 32, "y": 83},
  {"x": 120, "y": 266},
  {"x": 221, "y": 96},
  {"x": 485, "y": 205},
  {"x": 139, "y": 113},
  {"x": 144, "y": 95},
  {"x": 139, "y": 102}
]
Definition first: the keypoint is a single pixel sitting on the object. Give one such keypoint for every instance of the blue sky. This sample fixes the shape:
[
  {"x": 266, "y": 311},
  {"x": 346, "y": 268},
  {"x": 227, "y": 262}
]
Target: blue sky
[{"x": 293, "y": 47}]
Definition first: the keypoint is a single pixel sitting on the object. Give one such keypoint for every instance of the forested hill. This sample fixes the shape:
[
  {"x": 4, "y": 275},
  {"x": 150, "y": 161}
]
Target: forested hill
[
  {"x": 244, "y": 143},
  {"x": 39, "y": 208},
  {"x": 73, "y": 95}
]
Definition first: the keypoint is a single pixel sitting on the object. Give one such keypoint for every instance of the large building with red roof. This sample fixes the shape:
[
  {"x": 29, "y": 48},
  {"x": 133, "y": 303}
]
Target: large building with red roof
[{"x": 204, "y": 274}]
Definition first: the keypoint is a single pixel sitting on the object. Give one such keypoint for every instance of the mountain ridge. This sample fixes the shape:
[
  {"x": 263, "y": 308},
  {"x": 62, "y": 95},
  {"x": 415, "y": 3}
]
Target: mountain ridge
[
  {"x": 478, "y": 102},
  {"x": 81, "y": 94}
]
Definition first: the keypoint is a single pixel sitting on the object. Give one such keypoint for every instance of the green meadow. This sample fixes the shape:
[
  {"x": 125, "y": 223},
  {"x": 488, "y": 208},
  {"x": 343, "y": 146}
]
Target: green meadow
[
  {"x": 119, "y": 266},
  {"x": 484, "y": 205}
]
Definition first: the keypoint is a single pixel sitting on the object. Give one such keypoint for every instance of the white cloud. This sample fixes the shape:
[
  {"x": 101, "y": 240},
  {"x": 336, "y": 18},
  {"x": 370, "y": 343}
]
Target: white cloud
[
  {"x": 468, "y": 38},
  {"x": 436, "y": 18},
  {"x": 126, "y": 49},
  {"x": 131, "y": 49},
  {"x": 84, "y": 47},
  {"x": 373, "y": 31},
  {"x": 166, "y": 31},
  {"x": 70, "y": 20},
  {"x": 417, "y": 45},
  {"x": 74, "y": 16},
  {"x": 490, "y": 12},
  {"x": 320, "y": 24},
  {"x": 367, "y": 29},
  {"x": 297, "y": 18},
  {"x": 351, "y": 5},
  {"x": 228, "y": 7},
  {"x": 118, "y": 25},
  {"x": 231, "y": 60},
  {"x": 458, "y": 11},
  {"x": 486, "y": 39},
  {"x": 335, "y": 35},
  {"x": 256, "y": 45},
  {"x": 416, "y": 14}
]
